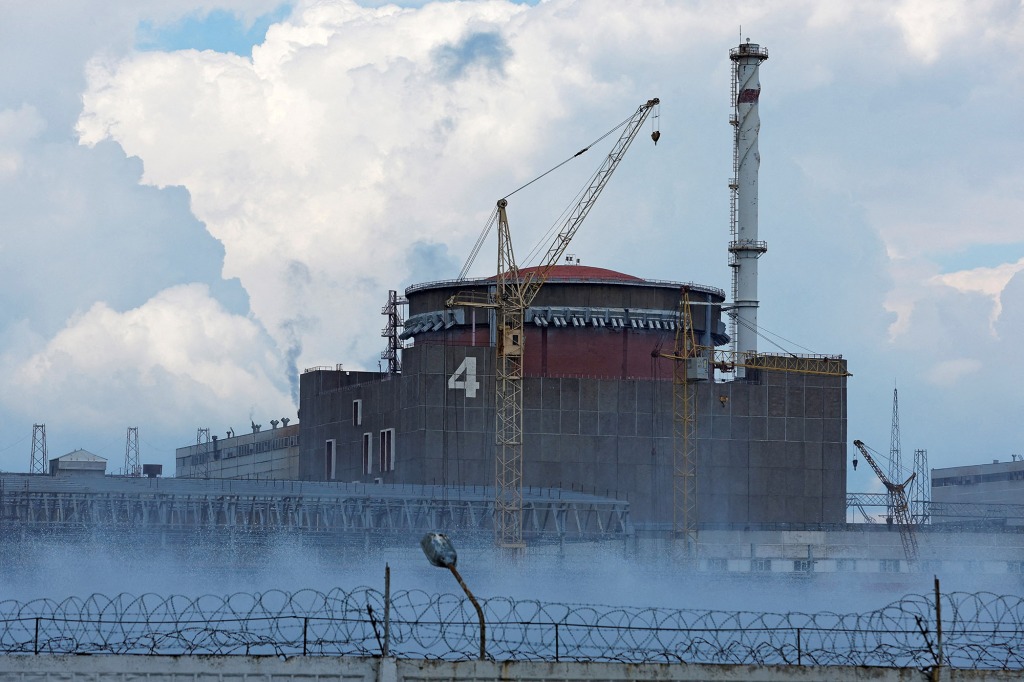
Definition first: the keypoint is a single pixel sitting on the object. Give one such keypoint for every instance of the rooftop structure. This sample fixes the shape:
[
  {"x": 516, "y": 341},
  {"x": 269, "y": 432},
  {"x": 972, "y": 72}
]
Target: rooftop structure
[{"x": 78, "y": 462}]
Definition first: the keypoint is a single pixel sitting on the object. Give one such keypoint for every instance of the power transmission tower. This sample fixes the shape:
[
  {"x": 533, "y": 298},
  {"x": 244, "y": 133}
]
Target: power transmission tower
[
  {"x": 895, "y": 466},
  {"x": 38, "y": 459},
  {"x": 131, "y": 452}
]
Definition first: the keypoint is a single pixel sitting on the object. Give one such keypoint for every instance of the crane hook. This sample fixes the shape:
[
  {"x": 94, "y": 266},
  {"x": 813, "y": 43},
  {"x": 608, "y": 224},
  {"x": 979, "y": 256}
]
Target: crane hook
[{"x": 656, "y": 135}]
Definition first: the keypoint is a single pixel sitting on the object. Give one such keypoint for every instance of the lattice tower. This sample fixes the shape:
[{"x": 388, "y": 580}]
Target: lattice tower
[
  {"x": 921, "y": 490},
  {"x": 895, "y": 465},
  {"x": 131, "y": 452},
  {"x": 38, "y": 459}
]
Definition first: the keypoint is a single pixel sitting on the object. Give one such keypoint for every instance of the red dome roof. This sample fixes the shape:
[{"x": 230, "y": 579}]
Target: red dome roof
[{"x": 584, "y": 272}]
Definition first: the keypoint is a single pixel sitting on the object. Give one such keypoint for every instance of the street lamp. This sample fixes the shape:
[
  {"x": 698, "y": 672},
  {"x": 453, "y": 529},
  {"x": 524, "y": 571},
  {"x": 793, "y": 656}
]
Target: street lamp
[{"x": 441, "y": 553}]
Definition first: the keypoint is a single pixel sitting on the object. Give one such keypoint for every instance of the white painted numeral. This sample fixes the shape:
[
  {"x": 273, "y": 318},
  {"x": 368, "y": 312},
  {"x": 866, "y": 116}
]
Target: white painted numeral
[{"x": 469, "y": 384}]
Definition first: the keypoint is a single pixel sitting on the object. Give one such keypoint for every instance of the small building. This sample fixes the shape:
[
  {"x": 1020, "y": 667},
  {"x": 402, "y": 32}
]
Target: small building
[{"x": 78, "y": 462}]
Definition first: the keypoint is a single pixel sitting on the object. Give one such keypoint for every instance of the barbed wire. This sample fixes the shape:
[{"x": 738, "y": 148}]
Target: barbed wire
[{"x": 979, "y": 630}]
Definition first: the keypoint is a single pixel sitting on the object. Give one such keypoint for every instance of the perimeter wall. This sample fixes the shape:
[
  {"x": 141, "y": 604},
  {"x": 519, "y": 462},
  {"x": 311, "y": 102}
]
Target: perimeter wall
[{"x": 115, "y": 668}]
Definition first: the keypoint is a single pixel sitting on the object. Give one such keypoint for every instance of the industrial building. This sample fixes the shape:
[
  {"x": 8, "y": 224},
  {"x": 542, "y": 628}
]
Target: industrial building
[
  {"x": 599, "y": 386},
  {"x": 995, "y": 483},
  {"x": 979, "y": 493},
  {"x": 272, "y": 454},
  {"x": 598, "y": 408}
]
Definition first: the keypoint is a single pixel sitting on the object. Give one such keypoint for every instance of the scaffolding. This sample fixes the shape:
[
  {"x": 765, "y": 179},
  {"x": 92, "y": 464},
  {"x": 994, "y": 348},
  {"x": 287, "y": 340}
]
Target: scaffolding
[{"x": 390, "y": 332}]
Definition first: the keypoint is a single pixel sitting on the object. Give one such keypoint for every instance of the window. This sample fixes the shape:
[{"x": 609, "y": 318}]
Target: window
[
  {"x": 1015, "y": 566},
  {"x": 717, "y": 565},
  {"x": 367, "y": 453},
  {"x": 802, "y": 566},
  {"x": 330, "y": 460},
  {"x": 761, "y": 565},
  {"x": 846, "y": 565},
  {"x": 357, "y": 412},
  {"x": 387, "y": 450},
  {"x": 889, "y": 565}
]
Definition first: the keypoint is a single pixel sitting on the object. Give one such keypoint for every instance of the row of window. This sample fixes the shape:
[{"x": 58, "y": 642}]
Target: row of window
[
  {"x": 385, "y": 454},
  {"x": 268, "y": 445},
  {"x": 844, "y": 565},
  {"x": 978, "y": 478}
]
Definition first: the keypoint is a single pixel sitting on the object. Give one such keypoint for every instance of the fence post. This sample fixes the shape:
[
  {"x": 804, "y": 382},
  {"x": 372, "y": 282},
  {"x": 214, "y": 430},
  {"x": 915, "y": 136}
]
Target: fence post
[
  {"x": 556, "y": 642},
  {"x": 387, "y": 611},
  {"x": 938, "y": 625},
  {"x": 35, "y": 642},
  {"x": 799, "y": 653},
  {"x": 305, "y": 628}
]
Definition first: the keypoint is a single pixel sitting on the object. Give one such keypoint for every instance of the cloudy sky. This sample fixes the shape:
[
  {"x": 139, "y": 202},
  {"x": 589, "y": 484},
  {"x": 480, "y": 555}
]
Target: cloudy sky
[{"x": 201, "y": 197}]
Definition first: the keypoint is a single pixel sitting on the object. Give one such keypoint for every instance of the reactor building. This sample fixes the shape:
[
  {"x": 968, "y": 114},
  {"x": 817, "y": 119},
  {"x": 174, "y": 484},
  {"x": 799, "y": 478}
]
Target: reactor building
[{"x": 598, "y": 412}]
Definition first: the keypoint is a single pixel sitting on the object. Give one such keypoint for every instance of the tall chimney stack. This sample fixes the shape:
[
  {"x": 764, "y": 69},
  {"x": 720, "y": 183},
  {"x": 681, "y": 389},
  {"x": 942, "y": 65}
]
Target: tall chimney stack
[{"x": 744, "y": 247}]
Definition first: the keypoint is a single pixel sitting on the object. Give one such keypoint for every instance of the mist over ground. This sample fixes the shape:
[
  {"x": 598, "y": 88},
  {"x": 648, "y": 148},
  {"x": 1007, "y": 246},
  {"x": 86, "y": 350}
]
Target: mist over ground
[{"x": 614, "y": 573}]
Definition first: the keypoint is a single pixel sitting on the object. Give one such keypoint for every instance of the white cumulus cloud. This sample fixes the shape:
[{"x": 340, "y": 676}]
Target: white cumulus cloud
[{"x": 180, "y": 357}]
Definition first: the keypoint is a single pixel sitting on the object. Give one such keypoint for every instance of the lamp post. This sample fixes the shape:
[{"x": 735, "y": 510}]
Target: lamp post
[{"x": 441, "y": 553}]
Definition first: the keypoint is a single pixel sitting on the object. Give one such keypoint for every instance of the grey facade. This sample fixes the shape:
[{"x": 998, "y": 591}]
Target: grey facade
[
  {"x": 771, "y": 449},
  {"x": 998, "y": 486},
  {"x": 271, "y": 454}
]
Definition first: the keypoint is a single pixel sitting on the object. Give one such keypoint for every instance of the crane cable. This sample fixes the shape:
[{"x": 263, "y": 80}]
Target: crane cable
[
  {"x": 494, "y": 214},
  {"x": 763, "y": 334},
  {"x": 479, "y": 243},
  {"x": 901, "y": 470}
]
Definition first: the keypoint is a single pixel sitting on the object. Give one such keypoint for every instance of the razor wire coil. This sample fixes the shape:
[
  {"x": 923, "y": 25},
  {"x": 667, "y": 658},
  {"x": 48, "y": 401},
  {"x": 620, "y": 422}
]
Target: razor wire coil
[{"x": 979, "y": 630}]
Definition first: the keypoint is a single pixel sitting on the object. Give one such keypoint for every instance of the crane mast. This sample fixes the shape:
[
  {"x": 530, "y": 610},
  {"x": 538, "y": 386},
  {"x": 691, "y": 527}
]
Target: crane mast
[
  {"x": 684, "y": 426},
  {"x": 514, "y": 291},
  {"x": 898, "y": 504}
]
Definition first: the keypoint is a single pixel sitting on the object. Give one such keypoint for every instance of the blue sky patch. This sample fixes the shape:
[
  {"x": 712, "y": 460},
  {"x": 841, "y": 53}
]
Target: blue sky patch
[
  {"x": 980, "y": 256},
  {"x": 218, "y": 30},
  {"x": 486, "y": 49}
]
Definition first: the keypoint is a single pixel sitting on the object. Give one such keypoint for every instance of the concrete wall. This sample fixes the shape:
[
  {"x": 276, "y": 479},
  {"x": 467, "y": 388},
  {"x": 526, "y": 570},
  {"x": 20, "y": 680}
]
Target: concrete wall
[
  {"x": 860, "y": 548},
  {"x": 267, "y": 669},
  {"x": 768, "y": 451}
]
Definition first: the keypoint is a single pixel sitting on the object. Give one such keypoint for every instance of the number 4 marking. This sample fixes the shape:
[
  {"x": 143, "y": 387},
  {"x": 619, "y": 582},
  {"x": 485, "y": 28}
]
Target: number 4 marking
[{"x": 469, "y": 384}]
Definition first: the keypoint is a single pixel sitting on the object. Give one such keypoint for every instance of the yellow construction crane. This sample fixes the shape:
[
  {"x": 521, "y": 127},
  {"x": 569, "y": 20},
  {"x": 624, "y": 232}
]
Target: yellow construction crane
[
  {"x": 898, "y": 504},
  {"x": 514, "y": 291},
  {"x": 693, "y": 363},
  {"x": 689, "y": 367}
]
